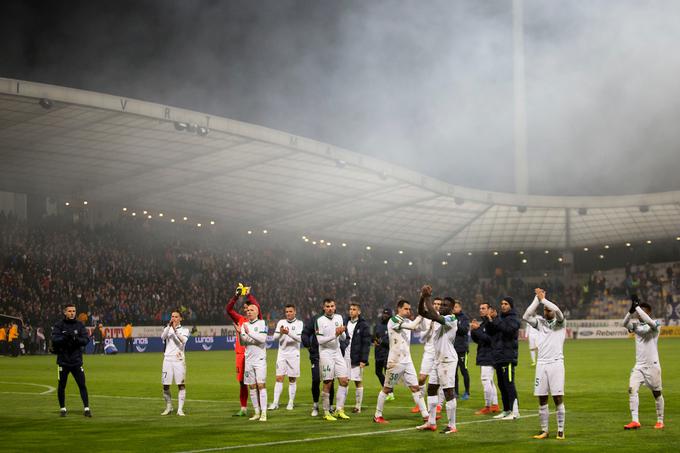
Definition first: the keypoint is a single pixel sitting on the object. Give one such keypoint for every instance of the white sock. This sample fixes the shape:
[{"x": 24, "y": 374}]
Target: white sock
[
  {"x": 359, "y": 395},
  {"x": 316, "y": 405},
  {"x": 86, "y": 408},
  {"x": 381, "y": 404},
  {"x": 263, "y": 399},
  {"x": 440, "y": 395},
  {"x": 423, "y": 392},
  {"x": 494, "y": 393},
  {"x": 487, "y": 392},
  {"x": 432, "y": 409},
  {"x": 278, "y": 388},
  {"x": 515, "y": 408},
  {"x": 533, "y": 356},
  {"x": 561, "y": 415},
  {"x": 634, "y": 401},
  {"x": 254, "y": 400},
  {"x": 167, "y": 397},
  {"x": 659, "y": 408},
  {"x": 544, "y": 417},
  {"x": 292, "y": 388},
  {"x": 420, "y": 403},
  {"x": 181, "y": 396},
  {"x": 326, "y": 401},
  {"x": 451, "y": 412},
  {"x": 340, "y": 398}
]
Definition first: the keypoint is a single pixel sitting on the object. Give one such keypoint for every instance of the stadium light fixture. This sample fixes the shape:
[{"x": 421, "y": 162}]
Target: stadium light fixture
[
  {"x": 444, "y": 263},
  {"x": 85, "y": 202},
  {"x": 321, "y": 241},
  {"x": 265, "y": 231},
  {"x": 469, "y": 253},
  {"x": 149, "y": 216},
  {"x": 145, "y": 212},
  {"x": 648, "y": 241},
  {"x": 627, "y": 244},
  {"x": 495, "y": 253},
  {"x": 368, "y": 247},
  {"x": 313, "y": 242},
  {"x": 606, "y": 246},
  {"x": 601, "y": 257},
  {"x": 401, "y": 252},
  {"x": 212, "y": 222},
  {"x": 45, "y": 103},
  {"x": 180, "y": 126},
  {"x": 344, "y": 244},
  {"x": 192, "y": 128},
  {"x": 410, "y": 263},
  {"x": 134, "y": 214},
  {"x": 328, "y": 244},
  {"x": 448, "y": 253},
  {"x": 67, "y": 204},
  {"x": 172, "y": 220},
  {"x": 185, "y": 218},
  {"x": 521, "y": 252},
  {"x": 560, "y": 259},
  {"x": 547, "y": 252},
  {"x": 160, "y": 214},
  {"x": 304, "y": 237},
  {"x": 202, "y": 131},
  {"x": 585, "y": 249},
  {"x": 677, "y": 238},
  {"x": 250, "y": 232},
  {"x": 199, "y": 225},
  {"x": 124, "y": 209},
  {"x": 524, "y": 260},
  {"x": 384, "y": 261}
]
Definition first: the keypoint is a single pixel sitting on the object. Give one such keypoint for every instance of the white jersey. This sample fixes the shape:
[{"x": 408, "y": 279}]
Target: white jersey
[
  {"x": 329, "y": 343},
  {"x": 427, "y": 329},
  {"x": 646, "y": 339},
  {"x": 175, "y": 342},
  {"x": 549, "y": 336},
  {"x": 289, "y": 344},
  {"x": 444, "y": 336},
  {"x": 399, "y": 332},
  {"x": 254, "y": 336}
]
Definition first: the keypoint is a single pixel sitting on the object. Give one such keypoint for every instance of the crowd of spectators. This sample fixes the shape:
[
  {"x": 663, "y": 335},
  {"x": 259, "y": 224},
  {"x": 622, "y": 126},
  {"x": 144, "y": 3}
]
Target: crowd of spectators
[{"x": 137, "y": 272}]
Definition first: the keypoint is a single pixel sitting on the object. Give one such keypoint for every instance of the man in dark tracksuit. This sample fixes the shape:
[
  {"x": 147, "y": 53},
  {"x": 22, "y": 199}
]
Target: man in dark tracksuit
[
  {"x": 69, "y": 337},
  {"x": 310, "y": 342},
  {"x": 460, "y": 344},
  {"x": 479, "y": 335},
  {"x": 381, "y": 341},
  {"x": 504, "y": 331},
  {"x": 359, "y": 343}
]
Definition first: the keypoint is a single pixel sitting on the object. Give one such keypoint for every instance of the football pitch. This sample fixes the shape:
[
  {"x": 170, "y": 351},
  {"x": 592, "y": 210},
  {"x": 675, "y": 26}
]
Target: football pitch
[{"x": 126, "y": 402}]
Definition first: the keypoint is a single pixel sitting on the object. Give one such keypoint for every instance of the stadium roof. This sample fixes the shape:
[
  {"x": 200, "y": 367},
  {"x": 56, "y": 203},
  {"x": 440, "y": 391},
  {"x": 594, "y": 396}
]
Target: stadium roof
[{"x": 64, "y": 142}]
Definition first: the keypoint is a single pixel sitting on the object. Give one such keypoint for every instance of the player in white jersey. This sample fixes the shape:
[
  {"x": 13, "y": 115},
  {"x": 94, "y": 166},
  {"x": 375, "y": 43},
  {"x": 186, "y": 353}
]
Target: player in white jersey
[
  {"x": 174, "y": 365},
  {"x": 550, "y": 334},
  {"x": 399, "y": 362},
  {"x": 533, "y": 347},
  {"x": 445, "y": 360},
  {"x": 330, "y": 330},
  {"x": 647, "y": 369},
  {"x": 253, "y": 334},
  {"x": 427, "y": 362},
  {"x": 288, "y": 333}
]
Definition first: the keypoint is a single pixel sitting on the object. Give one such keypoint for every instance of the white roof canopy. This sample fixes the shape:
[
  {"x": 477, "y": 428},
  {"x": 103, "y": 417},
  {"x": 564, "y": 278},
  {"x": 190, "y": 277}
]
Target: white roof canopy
[{"x": 122, "y": 151}]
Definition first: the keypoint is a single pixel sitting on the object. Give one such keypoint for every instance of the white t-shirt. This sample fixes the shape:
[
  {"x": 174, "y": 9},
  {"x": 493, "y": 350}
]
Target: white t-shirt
[
  {"x": 444, "y": 336},
  {"x": 399, "y": 332},
  {"x": 329, "y": 343},
  {"x": 289, "y": 344},
  {"x": 255, "y": 338},
  {"x": 427, "y": 330},
  {"x": 175, "y": 342},
  {"x": 549, "y": 337},
  {"x": 646, "y": 341}
]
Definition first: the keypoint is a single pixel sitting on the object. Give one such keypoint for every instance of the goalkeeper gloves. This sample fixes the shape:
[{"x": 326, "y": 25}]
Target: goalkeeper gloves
[{"x": 635, "y": 302}]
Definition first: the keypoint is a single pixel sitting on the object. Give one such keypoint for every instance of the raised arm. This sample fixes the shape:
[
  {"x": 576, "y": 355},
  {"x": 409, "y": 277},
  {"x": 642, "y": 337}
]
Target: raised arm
[
  {"x": 425, "y": 307},
  {"x": 411, "y": 325},
  {"x": 554, "y": 308},
  {"x": 233, "y": 314},
  {"x": 644, "y": 317},
  {"x": 530, "y": 313}
]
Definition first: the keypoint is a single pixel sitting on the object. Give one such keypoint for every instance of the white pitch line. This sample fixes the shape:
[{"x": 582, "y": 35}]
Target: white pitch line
[
  {"x": 339, "y": 436},
  {"x": 49, "y": 388}
]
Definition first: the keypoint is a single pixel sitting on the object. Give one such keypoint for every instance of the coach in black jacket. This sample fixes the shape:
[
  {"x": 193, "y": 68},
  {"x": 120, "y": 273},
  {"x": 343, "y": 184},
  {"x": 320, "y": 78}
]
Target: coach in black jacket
[
  {"x": 478, "y": 333},
  {"x": 69, "y": 337},
  {"x": 504, "y": 330},
  {"x": 381, "y": 341},
  {"x": 356, "y": 350},
  {"x": 310, "y": 342},
  {"x": 460, "y": 344}
]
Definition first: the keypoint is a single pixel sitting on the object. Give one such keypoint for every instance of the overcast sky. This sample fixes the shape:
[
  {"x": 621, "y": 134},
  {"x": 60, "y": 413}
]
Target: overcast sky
[{"x": 425, "y": 84}]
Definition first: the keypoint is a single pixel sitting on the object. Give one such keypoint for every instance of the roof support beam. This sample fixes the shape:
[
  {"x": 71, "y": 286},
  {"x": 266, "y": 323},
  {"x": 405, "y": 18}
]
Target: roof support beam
[{"x": 458, "y": 230}]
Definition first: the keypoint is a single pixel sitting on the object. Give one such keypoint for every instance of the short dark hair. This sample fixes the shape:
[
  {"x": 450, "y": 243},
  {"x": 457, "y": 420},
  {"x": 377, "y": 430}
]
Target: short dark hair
[
  {"x": 328, "y": 300},
  {"x": 402, "y": 302},
  {"x": 355, "y": 304},
  {"x": 646, "y": 305},
  {"x": 69, "y": 304},
  {"x": 289, "y": 306},
  {"x": 449, "y": 299},
  {"x": 488, "y": 305},
  {"x": 437, "y": 298}
]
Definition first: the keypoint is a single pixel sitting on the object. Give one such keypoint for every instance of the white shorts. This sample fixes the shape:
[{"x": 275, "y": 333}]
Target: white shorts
[
  {"x": 288, "y": 366},
  {"x": 444, "y": 375},
  {"x": 647, "y": 375},
  {"x": 487, "y": 373},
  {"x": 333, "y": 367},
  {"x": 405, "y": 372},
  {"x": 173, "y": 370},
  {"x": 255, "y": 371},
  {"x": 549, "y": 379},
  {"x": 356, "y": 373},
  {"x": 427, "y": 363}
]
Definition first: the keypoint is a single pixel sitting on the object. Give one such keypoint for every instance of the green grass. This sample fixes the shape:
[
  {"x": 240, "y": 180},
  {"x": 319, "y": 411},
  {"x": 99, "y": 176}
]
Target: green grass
[{"x": 126, "y": 401}]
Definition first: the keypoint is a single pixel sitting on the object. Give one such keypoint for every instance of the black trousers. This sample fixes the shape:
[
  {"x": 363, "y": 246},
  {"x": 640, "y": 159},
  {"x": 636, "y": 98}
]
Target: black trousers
[
  {"x": 316, "y": 383},
  {"x": 79, "y": 375},
  {"x": 462, "y": 367},
  {"x": 128, "y": 345},
  {"x": 505, "y": 375},
  {"x": 380, "y": 368}
]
